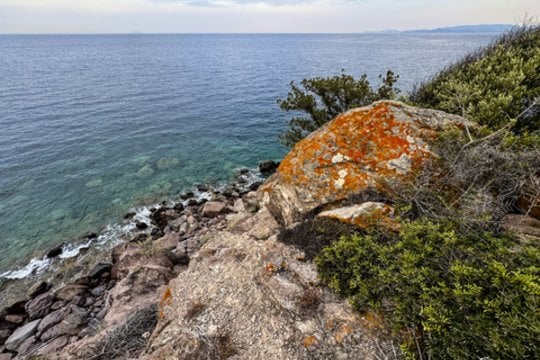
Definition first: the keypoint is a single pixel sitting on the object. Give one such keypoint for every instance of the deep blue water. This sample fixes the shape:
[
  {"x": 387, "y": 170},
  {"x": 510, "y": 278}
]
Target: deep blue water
[{"x": 92, "y": 125}]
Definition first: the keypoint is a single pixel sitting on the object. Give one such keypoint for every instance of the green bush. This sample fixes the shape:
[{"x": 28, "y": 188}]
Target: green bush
[
  {"x": 446, "y": 295},
  {"x": 323, "y": 98},
  {"x": 493, "y": 85}
]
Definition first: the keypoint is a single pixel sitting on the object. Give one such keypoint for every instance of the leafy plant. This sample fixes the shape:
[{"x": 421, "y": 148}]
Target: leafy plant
[
  {"x": 323, "y": 98},
  {"x": 446, "y": 294},
  {"x": 493, "y": 85}
]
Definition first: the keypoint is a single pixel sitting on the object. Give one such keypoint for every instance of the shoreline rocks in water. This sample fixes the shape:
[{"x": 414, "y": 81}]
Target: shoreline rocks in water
[{"x": 47, "y": 321}]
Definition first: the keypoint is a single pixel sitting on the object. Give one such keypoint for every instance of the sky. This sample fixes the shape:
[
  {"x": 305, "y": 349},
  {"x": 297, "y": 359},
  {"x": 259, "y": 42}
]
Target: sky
[{"x": 253, "y": 16}]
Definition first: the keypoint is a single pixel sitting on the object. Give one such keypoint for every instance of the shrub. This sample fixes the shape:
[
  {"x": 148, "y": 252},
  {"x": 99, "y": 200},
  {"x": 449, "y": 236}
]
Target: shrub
[
  {"x": 492, "y": 85},
  {"x": 323, "y": 98},
  {"x": 446, "y": 294}
]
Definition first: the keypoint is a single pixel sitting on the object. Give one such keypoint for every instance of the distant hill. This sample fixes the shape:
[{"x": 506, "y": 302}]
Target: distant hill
[{"x": 485, "y": 28}]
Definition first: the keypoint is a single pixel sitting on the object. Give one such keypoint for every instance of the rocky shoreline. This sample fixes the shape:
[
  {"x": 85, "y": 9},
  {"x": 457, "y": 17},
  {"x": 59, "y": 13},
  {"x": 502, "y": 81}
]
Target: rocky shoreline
[{"x": 49, "y": 318}]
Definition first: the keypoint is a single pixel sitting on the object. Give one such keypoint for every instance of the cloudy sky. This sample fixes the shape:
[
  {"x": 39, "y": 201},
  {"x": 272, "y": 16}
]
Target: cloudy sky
[{"x": 252, "y": 16}]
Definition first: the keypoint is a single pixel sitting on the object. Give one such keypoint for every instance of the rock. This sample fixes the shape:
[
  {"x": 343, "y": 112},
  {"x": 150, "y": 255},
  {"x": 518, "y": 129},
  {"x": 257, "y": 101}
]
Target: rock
[
  {"x": 521, "y": 224},
  {"x": 39, "y": 306},
  {"x": 145, "y": 171},
  {"x": 26, "y": 346},
  {"x": 177, "y": 259},
  {"x": 53, "y": 318},
  {"x": 168, "y": 241},
  {"x": 129, "y": 215},
  {"x": 186, "y": 195},
  {"x": 363, "y": 215},
  {"x": 69, "y": 326},
  {"x": 162, "y": 216},
  {"x": 21, "y": 334},
  {"x": 68, "y": 292},
  {"x": 91, "y": 235},
  {"x": 203, "y": 188},
  {"x": 141, "y": 225},
  {"x": 179, "y": 207},
  {"x": 38, "y": 288},
  {"x": 16, "y": 319},
  {"x": 55, "y": 251},
  {"x": 99, "y": 270},
  {"x": 266, "y": 166},
  {"x": 255, "y": 185},
  {"x": 166, "y": 163},
  {"x": 6, "y": 356},
  {"x": 255, "y": 299},
  {"x": 213, "y": 208},
  {"x": 4, "y": 335},
  {"x": 98, "y": 290},
  {"x": 53, "y": 346},
  {"x": 192, "y": 202},
  {"x": 251, "y": 203},
  {"x": 238, "y": 206},
  {"x": 364, "y": 148}
]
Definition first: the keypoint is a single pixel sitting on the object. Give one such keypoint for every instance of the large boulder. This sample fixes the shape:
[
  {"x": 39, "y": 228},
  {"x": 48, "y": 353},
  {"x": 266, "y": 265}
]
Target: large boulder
[{"x": 361, "y": 149}]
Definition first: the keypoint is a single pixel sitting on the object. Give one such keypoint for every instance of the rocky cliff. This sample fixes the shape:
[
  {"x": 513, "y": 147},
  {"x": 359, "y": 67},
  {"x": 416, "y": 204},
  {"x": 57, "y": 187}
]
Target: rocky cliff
[{"x": 215, "y": 281}]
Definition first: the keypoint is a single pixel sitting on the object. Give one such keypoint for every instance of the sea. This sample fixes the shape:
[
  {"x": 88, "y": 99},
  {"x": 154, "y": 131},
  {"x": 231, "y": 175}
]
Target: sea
[{"x": 93, "y": 126}]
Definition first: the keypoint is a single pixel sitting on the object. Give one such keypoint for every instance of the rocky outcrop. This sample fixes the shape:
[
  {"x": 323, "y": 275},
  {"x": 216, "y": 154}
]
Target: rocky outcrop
[
  {"x": 364, "y": 148},
  {"x": 249, "y": 299}
]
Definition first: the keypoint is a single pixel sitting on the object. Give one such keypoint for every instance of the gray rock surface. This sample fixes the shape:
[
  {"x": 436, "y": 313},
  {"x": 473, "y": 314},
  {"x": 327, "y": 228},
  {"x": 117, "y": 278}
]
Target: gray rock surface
[{"x": 21, "y": 334}]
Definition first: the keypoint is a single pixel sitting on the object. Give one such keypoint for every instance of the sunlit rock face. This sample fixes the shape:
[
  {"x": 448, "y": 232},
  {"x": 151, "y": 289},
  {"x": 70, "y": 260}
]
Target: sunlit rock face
[{"x": 360, "y": 149}]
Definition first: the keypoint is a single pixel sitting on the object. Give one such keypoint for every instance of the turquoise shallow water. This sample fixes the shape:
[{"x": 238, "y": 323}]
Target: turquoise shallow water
[{"x": 91, "y": 126}]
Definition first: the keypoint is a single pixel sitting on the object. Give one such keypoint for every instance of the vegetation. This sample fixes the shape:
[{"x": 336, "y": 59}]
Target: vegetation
[
  {"x": 448, "y": 295},
  {"x": 492, "y": 86},
  {"x": 449, "y": 282},
  {"x": 323, "y": 98}
]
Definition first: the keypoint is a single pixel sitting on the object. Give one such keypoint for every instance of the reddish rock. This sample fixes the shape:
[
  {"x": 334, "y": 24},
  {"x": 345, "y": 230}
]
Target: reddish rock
[
  {"x": 68, "y": 292},
  {"x": 213, "y": 208},
  {"x": 15, "y": 318},
  {"x": 364, "y": 148},
  {"x": 39, "y": 306}
]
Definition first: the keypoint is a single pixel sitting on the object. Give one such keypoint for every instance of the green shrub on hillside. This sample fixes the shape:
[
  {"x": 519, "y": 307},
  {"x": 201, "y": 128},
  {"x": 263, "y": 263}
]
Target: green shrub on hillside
[
  {"x": 492, "y": 86},
  {"x": 323, "y": 98},
  {"x": 447, "y": 295}
]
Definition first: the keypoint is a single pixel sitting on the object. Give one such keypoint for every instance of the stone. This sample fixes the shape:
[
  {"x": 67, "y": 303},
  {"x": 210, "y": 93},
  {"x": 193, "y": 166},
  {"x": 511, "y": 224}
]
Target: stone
[
  {"x": 55, "y": 251},
  {"x": 129, "y": 215},
  {"x": 26, "y": 346},
  {"x": 168, "y": 241},
  {"x": 39, "y": 306},
  {"x": 266, "y": 166},
  {"x": 38, "y": 288},
  {"x": 203, "y": 188},
  {"x": 53, "y": 346},
  {"x": 99, "y": 270},
  {"x": 68, "y": 326},
  {"x": 68, "y": 292},
  {"x": 238, "y": 206},
  {"x": 186, "y": 195},
  {"x": 52, "y": 319},
  {"x": 21, "y": 334},
  {"x": 255, "y": 185},
  {"x": 4, "y": 335},
  {"x": 362, "y": 215},
  {"x": 251, "y": 203},
  {"x": 15, "y": 318},
  {"x": 141, "y": 225},
  {"x": 6, "y": 356},
  {"x": 213, "y": 208},
  {"x": 98, "y": 290},
  {"x": 361, "y": 149}
]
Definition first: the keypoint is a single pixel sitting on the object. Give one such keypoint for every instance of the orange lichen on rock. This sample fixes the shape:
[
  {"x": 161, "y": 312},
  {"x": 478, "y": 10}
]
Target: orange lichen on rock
[
  {"x": 343, "y": 331},
  {"x": 310, "y": 341},
  {"x": 359, "y": 149},
  {"x": 166, "y": 300}
]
